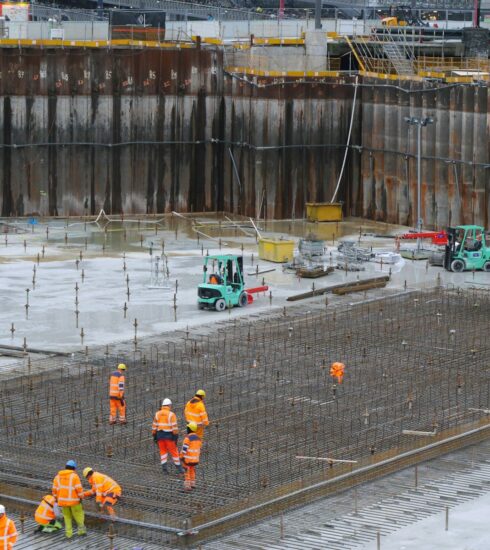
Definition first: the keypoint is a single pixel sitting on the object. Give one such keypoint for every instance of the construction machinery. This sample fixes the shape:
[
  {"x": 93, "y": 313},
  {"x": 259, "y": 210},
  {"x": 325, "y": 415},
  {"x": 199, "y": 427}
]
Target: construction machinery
[
  {"x": 223, "y": 285},
  {"x": 403, "y": 16},
  {"x": 468, "y": 248}
]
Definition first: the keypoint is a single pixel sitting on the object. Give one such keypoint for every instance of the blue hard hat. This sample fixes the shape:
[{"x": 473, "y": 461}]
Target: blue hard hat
[{"x": 71, "y": 464}]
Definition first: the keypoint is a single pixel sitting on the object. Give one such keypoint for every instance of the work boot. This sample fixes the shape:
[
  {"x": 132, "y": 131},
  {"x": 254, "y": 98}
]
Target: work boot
[
  {"x": 180, "y": 470},
  {"x": 82, "y": 532},
  {"x": 164, "y": 469},
  {"x": 112, "y": 422},
  {"x": 123, "y": 421}
]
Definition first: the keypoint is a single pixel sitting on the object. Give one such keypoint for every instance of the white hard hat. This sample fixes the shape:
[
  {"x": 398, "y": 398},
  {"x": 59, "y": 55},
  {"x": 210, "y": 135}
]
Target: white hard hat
[
  {"x": 166, "y": 401},
  {"x": 2, "y": 509}
]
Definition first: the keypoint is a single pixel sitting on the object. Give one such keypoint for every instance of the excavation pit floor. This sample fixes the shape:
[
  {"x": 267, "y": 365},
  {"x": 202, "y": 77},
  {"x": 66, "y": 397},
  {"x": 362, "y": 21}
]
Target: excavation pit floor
[{"x": 414, "y": 352}]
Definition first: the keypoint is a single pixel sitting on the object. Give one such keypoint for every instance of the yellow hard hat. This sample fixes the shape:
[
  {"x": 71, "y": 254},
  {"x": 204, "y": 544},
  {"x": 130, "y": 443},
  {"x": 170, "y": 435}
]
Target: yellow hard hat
[
  {"x": 121, "y": 366},
  {"x": 201, "y": 393},
  {"x": 86, "y": 471},
  {"x": 192, "y": 426}
]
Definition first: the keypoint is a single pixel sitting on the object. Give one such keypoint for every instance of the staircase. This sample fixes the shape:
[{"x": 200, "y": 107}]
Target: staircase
[{"x": 397, "y": 55}]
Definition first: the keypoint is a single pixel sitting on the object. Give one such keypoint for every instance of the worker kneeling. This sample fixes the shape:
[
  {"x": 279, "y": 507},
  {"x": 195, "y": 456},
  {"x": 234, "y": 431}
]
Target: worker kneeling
[
  {"x": 107, "y": 492},
  {"x": 191, "y": 451},
  {"x": 46, "y": 515}
]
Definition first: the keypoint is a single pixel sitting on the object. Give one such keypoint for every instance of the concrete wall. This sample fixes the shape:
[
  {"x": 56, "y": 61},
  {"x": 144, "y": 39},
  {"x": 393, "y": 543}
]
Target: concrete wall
[{"x": 151, "y": 131}]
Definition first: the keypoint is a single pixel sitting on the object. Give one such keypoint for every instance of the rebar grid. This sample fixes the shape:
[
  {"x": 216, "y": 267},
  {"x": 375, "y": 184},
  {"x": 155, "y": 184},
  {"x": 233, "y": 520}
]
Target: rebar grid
[{"x": 417, "y": 362}]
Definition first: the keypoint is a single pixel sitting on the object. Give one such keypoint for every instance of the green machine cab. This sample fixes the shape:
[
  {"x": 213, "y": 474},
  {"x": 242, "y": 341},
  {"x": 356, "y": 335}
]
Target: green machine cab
[
  {"x": 223, "y": 285},
  {"x": 467, "y": 249}
]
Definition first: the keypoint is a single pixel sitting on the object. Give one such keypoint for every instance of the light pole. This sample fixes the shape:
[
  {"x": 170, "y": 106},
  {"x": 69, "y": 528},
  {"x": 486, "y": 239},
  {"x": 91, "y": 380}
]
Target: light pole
[{"x": 420, "y": 123}]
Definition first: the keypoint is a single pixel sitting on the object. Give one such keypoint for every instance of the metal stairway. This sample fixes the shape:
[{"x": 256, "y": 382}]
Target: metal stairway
[{"x": 398, "y": 58}]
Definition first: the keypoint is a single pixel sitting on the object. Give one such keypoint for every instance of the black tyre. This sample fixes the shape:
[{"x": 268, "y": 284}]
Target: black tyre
[
  {"x": 243, "y": 300},
  {"x": 486, "y": 267},
  {"x": 457, "y": 266},
  {"x": 220, "y": 305}
]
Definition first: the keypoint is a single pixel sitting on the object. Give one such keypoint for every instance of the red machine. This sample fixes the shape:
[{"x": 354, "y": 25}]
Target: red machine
[{"x": 438, "y": 238}]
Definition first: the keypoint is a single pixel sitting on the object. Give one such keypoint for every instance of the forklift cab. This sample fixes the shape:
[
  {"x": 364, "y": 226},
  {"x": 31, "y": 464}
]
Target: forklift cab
[
  {"x": 222, "y": 285},
  {"x": 467, "y": 248}
]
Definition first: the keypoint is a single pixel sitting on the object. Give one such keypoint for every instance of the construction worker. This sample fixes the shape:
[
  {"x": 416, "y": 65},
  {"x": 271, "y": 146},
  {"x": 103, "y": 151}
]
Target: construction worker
[
  {"x": 191, "y": 450},
  {"x": 116, "y": 395},
  {"x": 337, "y": 371},
  {"x": 195, "y": 411},
  {"x": 68, "y": 492},
  {"x": 8, "y": 532},
  {"x": 107, "y": 492},
  {"x": 46, "y": 514},
  {"x": 166, "y": 434}
]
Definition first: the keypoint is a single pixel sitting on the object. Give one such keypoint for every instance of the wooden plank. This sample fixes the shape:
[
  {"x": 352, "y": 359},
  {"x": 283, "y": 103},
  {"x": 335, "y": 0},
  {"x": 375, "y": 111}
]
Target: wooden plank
[{"x": 324, "y": 290}]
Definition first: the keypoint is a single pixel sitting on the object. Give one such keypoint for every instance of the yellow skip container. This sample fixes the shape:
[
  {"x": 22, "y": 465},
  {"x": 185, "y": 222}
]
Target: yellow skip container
[
  {"x": 276, "y": 250},
  {"x": 324, "y": 211}
]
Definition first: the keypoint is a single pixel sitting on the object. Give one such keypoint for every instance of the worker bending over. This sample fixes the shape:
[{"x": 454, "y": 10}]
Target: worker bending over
[
  {"x": 166, "y": 434},
  {"x": 46, "y": 515},
  {"x": 116, "y": 395},
  {"x": 195, "y": 411},
  {"x": 68, "y": 492},
  {"x": 337, "y": 371},
  {"x": 8, "y": 532},
  {"x": 190, "y": 453},
  {"x": 107, "y": 492}
]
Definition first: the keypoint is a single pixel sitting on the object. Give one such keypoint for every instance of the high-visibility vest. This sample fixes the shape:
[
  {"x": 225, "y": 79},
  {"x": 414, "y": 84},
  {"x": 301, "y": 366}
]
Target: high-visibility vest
[
  {"x": 8, "y": 533},
  {"x": 337, "y": 369},
  {"x": 45, "y": 511},
  {"x": 67, "y": 488},
  {"x": 195, "y": 411},
  {"x": 165, "y": 421},
  {"x": 191, "y": 449},
  {"x": 102, "y": 485},
  {"x": 116, "y": 385}
]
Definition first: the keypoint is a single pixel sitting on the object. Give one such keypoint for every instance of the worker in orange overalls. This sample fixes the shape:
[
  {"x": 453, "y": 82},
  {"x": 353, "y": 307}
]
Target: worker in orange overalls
[
  {"x": 166, "y": 434},
  {"x": 107, "y": 492},
  {"x": 190, "y": 453},
  {"x": 68, "y": 492},
  {"x": 116, "y": 395},
  {"x": 337, "y": 371},
  {"x": 46, "y": 514},
  {"x": 195, "y": 411},
  {"x": 8, "y": 532}
]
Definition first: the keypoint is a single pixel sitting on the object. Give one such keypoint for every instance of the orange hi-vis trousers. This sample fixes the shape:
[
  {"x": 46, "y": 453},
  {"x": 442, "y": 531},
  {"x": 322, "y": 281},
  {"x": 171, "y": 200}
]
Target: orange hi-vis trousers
[
  {"x": 190, "y": 475},
  {"x": 117, "y": 406},
  {"x": 168, "y": 446}
]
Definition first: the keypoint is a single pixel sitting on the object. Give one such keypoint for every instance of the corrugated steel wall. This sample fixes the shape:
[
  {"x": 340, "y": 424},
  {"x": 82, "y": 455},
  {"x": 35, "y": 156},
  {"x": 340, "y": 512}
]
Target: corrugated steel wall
[{"x": 148, "y": 131}]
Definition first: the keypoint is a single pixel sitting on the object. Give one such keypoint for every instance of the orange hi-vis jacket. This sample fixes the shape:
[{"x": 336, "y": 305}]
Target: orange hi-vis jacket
[
  {"x": 116, "y": 385},
  {"x": 8, "y": 533},
  {"x": 67, "y": 488},
  {"x": 191, "y": 449},
  {"x": 102, "y": 485},
  {"x": 337, "y": 370},
  {"x": 195, "y": 411},
  {"x": 165, "y": 422},
  {"x": 45, "y": 511}
]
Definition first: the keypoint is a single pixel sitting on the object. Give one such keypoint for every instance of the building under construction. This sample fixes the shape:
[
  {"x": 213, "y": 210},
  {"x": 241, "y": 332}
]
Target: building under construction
[{"x": 248, "y": 117}]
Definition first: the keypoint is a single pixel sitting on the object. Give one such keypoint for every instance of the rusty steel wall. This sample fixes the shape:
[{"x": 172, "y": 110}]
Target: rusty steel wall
[
  {"x": 145, "y": 131},
  {"x": 455, "y": 150}
]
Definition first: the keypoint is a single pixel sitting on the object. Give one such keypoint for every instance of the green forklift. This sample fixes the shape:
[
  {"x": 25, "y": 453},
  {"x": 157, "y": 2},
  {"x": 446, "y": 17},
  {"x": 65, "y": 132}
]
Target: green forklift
[
  {"x": 223, "y": 285},
  {"x": 467, "y": 249}
]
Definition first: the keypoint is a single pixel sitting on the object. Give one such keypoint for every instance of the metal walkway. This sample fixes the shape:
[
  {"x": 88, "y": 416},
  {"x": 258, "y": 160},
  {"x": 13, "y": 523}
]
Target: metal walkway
[{"x": 385, "y": 506}]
